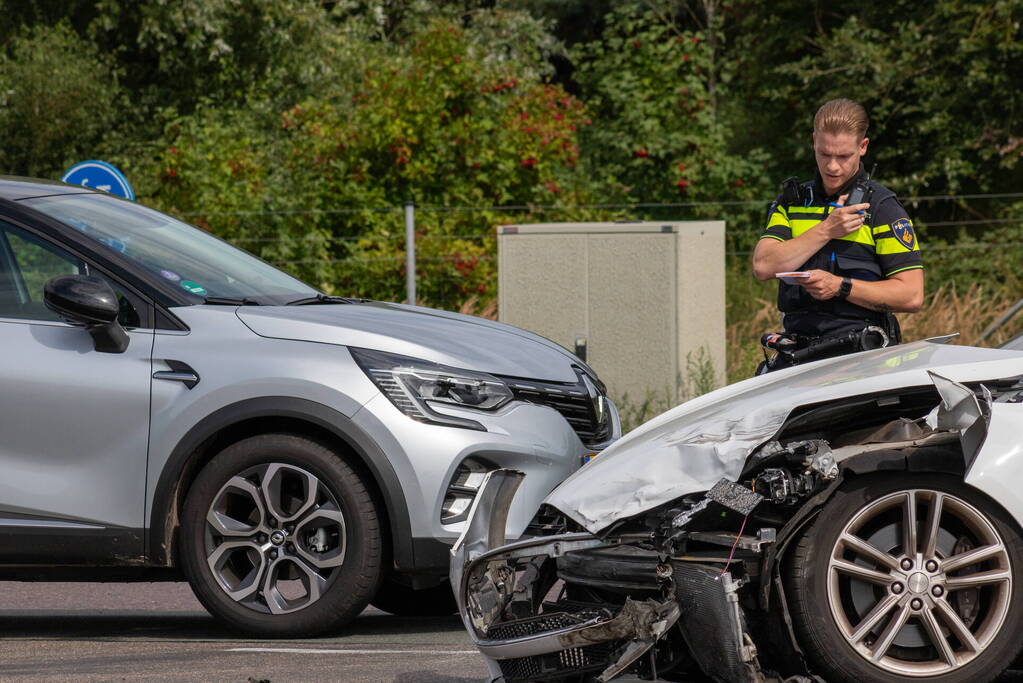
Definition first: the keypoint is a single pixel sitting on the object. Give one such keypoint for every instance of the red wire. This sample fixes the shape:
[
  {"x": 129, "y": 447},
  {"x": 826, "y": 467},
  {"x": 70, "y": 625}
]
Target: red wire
[{"x": 734, "y": 546}]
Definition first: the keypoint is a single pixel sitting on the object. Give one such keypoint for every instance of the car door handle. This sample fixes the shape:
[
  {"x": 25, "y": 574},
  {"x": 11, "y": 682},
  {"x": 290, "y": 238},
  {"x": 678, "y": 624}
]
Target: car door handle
[{"x": 179, "y": 372}]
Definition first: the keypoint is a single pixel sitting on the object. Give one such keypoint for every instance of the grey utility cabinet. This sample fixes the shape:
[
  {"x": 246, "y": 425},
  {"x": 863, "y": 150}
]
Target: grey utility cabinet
[{"x": 645, "y": 300}]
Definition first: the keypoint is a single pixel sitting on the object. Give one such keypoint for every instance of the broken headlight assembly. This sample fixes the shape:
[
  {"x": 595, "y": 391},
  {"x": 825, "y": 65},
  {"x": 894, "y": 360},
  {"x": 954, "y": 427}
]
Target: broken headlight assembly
[{"x": 419, "y": 387}]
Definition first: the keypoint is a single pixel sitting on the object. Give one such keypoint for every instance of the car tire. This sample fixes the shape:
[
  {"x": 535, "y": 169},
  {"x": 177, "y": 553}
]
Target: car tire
[
  {"x": 400, "y": 599},
  {"x": 280, "y": 537},
  {"x": 871, "y": 601}
]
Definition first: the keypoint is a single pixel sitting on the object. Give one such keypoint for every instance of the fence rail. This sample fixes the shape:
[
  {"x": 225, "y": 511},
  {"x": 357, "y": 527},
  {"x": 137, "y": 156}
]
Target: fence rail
[
  {"x": 512, "y": 208},
  {"x": 409, "y": 211}
]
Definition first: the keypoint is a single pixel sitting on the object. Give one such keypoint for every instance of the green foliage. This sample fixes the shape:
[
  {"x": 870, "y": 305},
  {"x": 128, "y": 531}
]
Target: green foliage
[
  {"x": 436, "y": 119},
  {"x": 659, "y": 94},
  {"x": 183, "y": 52},
  {"x": 634, "y": 411},
  {"x": 59, "y": 98},
  {"x": 701, "y": 375}
]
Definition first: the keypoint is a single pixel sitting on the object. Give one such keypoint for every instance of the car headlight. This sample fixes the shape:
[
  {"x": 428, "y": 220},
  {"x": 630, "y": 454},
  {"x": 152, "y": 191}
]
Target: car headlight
[{"x": 414, "y": 385}]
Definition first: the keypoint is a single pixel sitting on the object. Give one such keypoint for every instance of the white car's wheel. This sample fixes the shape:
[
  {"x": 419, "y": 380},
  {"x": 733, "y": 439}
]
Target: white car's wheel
[{"x": 909, "y": 578}]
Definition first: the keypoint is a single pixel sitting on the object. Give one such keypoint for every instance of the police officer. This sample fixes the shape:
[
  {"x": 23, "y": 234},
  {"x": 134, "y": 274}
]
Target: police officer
[{"x": 863, "y": 260}]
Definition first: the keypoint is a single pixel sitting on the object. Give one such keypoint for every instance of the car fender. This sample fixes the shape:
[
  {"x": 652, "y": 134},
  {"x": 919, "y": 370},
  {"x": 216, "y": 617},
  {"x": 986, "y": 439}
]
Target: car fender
[
  {"x": 997, "y": 468},
  {"x": 214, "y": 432}
]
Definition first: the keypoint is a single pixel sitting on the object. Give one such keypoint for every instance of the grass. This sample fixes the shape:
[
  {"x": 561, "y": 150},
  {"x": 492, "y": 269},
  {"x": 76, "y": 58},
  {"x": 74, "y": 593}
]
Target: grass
[{"x": 945, "y": 311}]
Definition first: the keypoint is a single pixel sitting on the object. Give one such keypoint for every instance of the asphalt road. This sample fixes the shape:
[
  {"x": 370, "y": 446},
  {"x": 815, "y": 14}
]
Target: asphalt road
[{"x": 130, "y": 632}]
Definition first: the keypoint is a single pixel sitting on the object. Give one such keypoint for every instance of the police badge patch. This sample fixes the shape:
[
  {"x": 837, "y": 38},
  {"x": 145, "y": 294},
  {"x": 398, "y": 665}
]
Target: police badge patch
[{"x": 903, "y": 231}]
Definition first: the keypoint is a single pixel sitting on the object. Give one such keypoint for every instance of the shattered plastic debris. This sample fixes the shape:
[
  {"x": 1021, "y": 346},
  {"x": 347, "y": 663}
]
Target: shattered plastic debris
[{"x": 735, "y": 497}]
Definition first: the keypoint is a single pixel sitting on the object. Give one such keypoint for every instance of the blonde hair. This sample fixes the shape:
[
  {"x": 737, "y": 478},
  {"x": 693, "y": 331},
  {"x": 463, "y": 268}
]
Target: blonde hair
[{"x": 841, "y": 116}]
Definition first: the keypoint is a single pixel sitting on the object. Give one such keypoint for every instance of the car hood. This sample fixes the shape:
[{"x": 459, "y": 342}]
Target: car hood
[
  {"x": 692, "y": 446},
  {"x": 452, "y": 339}
]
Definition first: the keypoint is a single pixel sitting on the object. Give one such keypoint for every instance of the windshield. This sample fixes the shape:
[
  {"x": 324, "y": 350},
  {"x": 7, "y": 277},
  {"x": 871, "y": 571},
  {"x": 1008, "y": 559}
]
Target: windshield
[{"x": 188, "y": 257}]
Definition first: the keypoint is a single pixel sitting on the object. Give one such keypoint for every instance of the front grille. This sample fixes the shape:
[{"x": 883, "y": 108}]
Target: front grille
[
  {"x": 554, "y": 665},
  {"x": 574, "y": 403},
  {"x": 542, "y": 623}
]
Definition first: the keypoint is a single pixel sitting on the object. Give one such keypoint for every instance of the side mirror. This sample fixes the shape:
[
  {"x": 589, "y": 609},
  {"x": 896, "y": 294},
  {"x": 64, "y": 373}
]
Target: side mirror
[{"x": 89, "y": 301}]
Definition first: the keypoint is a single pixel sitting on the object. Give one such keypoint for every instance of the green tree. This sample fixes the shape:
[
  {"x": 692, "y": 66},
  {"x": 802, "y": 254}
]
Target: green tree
[
  {"x": 59, "y": 98},
  {"x": 436, "y": 118},
  {"x": 660, "y": 94},
  {"x": 176, "y": 54}
]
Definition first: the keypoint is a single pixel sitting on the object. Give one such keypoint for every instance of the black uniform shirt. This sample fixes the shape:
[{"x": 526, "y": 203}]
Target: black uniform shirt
[{"x": 885, "y": 245}]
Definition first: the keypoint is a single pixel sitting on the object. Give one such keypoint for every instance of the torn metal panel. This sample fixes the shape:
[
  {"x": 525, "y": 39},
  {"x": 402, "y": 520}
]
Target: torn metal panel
[
  {"x": 960, "y": 411},
  {"x": 484, "y": 531},
  {"x": 487, "y": 583},
  {"x": 691, "y": 447},
  {"x": 933, "y": 439},
  {"x": 641, "y": 620},
  {"x": 654, "y": 620}
]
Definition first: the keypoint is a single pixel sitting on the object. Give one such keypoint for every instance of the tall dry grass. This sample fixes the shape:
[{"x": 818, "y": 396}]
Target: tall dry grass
[
  {"x": 945, "y": 311},
  {"x": 471, "y": 306}
]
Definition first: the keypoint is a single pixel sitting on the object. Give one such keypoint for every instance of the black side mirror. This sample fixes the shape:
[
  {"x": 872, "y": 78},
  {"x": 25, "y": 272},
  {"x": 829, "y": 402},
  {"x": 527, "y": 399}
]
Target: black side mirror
[{"x": 89, "y": 301}]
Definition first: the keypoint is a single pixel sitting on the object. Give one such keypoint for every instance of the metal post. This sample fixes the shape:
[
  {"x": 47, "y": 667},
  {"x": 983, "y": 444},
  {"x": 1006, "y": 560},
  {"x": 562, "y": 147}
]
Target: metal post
[
  {"x": 410, "y": 251},
  {"x": 1002, "y": 319}
]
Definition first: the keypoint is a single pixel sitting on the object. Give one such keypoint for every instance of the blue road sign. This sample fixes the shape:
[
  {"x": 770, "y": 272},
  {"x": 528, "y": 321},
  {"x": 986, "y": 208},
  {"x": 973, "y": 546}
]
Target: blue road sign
[{"x": 99, "y": 175}]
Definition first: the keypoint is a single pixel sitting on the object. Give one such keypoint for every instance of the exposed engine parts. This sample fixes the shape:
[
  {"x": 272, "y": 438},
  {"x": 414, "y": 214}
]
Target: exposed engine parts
[
  {"x": 788, "y": 486},
  {"x": 782, "y": 487}
]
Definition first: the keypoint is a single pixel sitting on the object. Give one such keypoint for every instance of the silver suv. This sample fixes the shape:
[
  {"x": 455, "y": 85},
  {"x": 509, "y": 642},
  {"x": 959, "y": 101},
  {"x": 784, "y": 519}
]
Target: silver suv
[{"x": 172, "y": 404}]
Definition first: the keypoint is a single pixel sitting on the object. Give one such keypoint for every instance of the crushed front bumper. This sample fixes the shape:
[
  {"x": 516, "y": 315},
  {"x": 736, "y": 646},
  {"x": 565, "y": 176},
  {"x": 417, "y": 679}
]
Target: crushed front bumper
[{"x": 528, "y": 629}]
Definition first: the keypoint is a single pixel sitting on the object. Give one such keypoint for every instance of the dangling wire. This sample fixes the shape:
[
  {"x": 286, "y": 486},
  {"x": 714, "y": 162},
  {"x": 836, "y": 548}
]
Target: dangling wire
[{"x": 731, "y": 554}]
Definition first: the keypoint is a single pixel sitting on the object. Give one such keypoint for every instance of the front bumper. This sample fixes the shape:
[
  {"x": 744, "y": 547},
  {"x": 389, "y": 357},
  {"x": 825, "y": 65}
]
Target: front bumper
[
  {"x": 504, "y": 596},
  {"x": 541, "y": 645},
  {"x": 522, "y": 436}
]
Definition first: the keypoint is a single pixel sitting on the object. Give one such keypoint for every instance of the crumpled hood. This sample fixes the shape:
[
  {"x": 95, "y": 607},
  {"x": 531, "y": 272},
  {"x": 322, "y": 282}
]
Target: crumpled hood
[
  {"x": 451, "y": 339},
  {"x": 692, "y": 446}
]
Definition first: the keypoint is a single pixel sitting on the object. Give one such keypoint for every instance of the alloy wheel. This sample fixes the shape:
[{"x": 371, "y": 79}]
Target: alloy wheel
[
  {"x": 274, "y": 537},
  {"x": 919, "y": 582}
]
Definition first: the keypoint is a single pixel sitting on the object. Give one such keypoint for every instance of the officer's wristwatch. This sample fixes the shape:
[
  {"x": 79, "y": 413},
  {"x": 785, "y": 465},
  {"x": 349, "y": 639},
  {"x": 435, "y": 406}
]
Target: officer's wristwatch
[{"x": 844, "y": 288}]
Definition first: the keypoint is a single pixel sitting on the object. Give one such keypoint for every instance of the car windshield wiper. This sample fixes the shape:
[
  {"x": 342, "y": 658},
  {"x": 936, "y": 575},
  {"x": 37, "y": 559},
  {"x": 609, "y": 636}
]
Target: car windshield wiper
[
  {"x": 324, "y": 299},
  {"x": 231, "y": 301}
]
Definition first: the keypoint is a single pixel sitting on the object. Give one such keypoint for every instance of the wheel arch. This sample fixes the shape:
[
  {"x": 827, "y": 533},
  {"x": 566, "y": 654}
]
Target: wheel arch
[
  {"x": 947, "y": 460},
  {"x": 935, "y": 459},
  {"x": 867, "y": 489},
  {"x": 268, "y": 415}
]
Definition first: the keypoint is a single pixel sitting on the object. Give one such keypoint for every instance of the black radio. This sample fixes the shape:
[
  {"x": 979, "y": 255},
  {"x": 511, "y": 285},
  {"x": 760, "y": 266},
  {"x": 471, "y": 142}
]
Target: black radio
[{"x": 862, "y": 191}]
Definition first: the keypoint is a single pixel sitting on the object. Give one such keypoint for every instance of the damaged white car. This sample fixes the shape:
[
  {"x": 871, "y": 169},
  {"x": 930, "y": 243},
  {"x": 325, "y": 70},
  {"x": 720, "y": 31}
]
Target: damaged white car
[{"x": 854, "y": 519}]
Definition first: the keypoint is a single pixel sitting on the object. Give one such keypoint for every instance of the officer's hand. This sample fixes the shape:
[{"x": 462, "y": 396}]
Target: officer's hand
[
  {"x": 821, "y": 284},
  {"x": 846, "y": 220}
]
